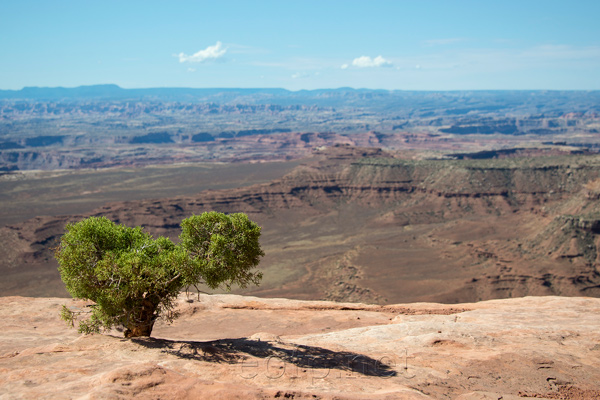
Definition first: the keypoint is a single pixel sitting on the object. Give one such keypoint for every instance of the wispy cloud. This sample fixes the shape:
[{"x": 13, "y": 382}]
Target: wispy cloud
[
  {"x": 563, "y": 52},
  {"x": 210, "y": 53},
  {"x": 535, "y": 63},
  {"x": 368, "y": 62},
  {"x": 298, "y": 75},
  {"x": 538, "y": 58},
  {"x": 295, "y": 64},
  {"x": 301, "y": 75}
]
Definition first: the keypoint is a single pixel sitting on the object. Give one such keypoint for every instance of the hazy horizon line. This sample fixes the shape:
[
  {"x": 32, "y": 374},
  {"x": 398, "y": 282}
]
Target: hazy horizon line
[{"x": 116, "y": 86}]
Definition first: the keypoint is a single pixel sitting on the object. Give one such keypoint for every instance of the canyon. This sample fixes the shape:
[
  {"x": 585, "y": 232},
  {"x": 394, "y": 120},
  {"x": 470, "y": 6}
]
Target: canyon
[
  {"x": 107, "y": 126},
  {"x": 363, "y": 224},
  {"x": 418, "y": 245}
]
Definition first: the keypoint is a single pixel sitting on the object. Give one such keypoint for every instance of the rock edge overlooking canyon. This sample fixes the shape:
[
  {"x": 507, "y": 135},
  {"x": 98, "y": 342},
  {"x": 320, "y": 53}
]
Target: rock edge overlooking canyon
[{"x": 233, "y": 347}]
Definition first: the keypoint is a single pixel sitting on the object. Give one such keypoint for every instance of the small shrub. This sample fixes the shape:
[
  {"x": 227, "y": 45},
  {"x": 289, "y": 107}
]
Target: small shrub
[{"x": 133, "y": 279}]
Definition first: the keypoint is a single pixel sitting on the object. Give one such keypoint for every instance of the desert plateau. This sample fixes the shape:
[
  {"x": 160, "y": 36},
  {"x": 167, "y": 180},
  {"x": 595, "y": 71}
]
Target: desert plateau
[
  {"x": 309, "y": 200},
  {"x": 418, "y": 245}
]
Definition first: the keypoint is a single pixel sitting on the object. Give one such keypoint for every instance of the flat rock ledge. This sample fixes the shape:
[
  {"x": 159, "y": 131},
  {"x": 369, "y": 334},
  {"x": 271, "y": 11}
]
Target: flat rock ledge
[{"x": 234, "y": 347}]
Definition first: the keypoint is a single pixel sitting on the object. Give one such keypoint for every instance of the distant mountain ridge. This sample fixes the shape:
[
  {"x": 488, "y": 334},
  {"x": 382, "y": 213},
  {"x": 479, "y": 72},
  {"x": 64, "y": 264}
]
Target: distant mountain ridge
[
  {"x": 115, "y": 92},
  {"x": 340, "y": 97}
]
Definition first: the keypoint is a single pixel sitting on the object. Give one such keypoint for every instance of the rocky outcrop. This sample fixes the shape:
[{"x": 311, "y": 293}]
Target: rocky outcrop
[{"x": 231, "y": 347}]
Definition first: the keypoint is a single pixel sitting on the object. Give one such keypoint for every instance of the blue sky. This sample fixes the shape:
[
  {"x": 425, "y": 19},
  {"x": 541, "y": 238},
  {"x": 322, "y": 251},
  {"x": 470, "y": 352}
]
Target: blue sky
[{"x": 408, "y": 45}]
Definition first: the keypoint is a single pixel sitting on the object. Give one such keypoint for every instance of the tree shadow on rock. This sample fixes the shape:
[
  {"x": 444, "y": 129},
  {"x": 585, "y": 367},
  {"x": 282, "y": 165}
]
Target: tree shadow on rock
[{"x": 232, "y": 351}]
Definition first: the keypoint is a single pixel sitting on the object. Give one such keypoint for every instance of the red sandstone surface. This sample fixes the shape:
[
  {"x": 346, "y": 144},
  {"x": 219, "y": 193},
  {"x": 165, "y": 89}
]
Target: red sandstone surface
[{"x": 234, "y": 347}]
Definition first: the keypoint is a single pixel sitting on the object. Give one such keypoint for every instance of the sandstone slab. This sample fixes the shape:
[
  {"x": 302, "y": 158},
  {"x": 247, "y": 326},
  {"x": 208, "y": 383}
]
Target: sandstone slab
[{"x": 235, "y": 347}]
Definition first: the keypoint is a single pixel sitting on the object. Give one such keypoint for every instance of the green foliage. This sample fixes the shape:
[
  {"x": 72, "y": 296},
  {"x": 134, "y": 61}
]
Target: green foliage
[
  {"x": 133, "y": 278},
  {"x": 225, "y": 247}
]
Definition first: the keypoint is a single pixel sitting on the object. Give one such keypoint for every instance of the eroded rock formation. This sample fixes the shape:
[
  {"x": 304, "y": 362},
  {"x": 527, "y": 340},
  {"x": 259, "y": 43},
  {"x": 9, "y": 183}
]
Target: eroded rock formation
[{"x": 359, "y": 224}]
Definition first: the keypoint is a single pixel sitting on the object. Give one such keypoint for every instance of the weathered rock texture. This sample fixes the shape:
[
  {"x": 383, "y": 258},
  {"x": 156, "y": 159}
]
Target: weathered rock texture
[{"x": 233, "y": 347}]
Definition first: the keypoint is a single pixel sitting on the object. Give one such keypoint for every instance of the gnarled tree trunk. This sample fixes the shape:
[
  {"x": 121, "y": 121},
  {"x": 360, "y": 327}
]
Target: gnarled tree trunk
[{"x": 142, "y": 320}]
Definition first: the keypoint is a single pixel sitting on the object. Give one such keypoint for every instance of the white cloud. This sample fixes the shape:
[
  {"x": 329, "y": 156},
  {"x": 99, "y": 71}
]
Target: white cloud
[
  {"x": 300, "y": 75},
  {"x": 366, "y": 61},
  {"x": 344, "y": 66},
  {"x": 210, "y": 53}
]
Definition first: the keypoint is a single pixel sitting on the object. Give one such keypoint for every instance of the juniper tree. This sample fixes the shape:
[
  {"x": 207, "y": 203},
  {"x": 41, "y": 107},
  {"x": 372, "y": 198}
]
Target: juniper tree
[{"x": 133, "y": 279}]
